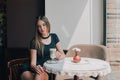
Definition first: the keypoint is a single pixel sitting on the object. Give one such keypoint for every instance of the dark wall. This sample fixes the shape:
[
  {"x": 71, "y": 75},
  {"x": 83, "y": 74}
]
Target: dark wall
[{"x": 21, "y": 16}]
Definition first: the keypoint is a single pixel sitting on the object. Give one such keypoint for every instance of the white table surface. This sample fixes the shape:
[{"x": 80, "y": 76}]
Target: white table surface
[{"x": 86, "y": 67}]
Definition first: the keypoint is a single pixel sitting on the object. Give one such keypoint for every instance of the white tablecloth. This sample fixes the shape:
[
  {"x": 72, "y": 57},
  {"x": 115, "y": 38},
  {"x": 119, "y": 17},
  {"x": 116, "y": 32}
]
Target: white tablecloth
[{"x": 86, "y": 67}]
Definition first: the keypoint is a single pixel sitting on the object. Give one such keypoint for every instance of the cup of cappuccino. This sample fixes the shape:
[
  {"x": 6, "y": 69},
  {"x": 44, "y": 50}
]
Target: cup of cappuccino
[{"x": 52, "y": 53}]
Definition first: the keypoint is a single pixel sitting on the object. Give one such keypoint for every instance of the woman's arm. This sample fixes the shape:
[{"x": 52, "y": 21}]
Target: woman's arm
[
  {"x": 60, "y": 53},
  {"x": 37, "y": 68},
  {"x": 33, "y": 58}
]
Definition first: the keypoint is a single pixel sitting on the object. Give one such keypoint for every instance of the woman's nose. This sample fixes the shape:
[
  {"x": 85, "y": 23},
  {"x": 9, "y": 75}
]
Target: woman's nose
[{"x": 42, "y": 27}]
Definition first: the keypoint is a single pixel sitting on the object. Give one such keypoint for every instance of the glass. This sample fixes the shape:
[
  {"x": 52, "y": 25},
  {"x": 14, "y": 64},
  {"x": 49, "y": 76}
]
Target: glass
[{"x": 52, "y": 53}]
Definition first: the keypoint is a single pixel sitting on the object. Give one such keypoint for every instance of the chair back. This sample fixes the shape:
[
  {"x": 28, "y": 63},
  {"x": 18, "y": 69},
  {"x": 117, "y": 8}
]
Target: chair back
[
  {"x": 14, "y": 67},
  {"x": 89, "y": 50}
]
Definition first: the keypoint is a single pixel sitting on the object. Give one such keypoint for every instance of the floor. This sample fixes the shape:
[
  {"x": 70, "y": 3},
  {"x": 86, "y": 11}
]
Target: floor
[
  {"x": 114, "y": 57},
  {"x": 115, "y": 74}
]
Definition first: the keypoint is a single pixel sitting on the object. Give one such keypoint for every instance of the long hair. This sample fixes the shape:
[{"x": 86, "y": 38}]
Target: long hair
[{"x": 38, "y": 35}]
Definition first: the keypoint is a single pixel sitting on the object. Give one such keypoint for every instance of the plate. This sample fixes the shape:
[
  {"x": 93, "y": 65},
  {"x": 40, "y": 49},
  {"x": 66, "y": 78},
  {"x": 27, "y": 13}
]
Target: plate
[{"x": 51, "y": 61}]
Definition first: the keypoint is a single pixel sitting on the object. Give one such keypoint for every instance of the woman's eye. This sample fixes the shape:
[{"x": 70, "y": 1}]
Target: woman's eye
[
  {"x": 39, "y": 26},
  {"x": 44, "y": 24}
]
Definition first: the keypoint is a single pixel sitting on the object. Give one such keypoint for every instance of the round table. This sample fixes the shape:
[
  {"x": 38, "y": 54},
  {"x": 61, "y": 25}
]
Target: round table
[{"x": 86, "y": 67}]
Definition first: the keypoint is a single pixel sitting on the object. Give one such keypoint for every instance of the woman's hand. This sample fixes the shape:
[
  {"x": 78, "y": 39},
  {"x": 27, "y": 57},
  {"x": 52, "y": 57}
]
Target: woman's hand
[
  {"x": 58, "y": 55},
  {"x": 39, "y": 69}
]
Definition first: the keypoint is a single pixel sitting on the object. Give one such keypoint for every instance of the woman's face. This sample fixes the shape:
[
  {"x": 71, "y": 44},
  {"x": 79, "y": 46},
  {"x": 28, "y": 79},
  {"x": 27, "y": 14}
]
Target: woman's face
[{"x": 42, "y": 27}]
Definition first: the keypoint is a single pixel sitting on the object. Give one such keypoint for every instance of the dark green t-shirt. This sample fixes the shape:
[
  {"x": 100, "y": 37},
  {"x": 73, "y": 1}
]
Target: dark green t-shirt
[
  {"x": 46, "y": 53},
  {"x": 41, "y": 59}
]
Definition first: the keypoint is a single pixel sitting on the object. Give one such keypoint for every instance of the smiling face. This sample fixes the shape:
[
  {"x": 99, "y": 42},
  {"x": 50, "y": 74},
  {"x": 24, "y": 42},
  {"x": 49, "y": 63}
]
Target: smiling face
[{"x": 42, "y": 27}]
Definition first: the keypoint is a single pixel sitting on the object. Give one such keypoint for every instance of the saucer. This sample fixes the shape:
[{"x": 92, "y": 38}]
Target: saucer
[{"x": 51, "y": 61}]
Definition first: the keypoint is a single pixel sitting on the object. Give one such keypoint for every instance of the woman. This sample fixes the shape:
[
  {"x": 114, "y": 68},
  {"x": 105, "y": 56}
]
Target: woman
[{"x": 40, "y": 50}]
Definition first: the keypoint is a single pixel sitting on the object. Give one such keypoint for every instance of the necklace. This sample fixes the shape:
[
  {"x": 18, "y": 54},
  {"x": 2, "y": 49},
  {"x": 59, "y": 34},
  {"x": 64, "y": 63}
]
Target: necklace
[{"x": 45, "y": 37}]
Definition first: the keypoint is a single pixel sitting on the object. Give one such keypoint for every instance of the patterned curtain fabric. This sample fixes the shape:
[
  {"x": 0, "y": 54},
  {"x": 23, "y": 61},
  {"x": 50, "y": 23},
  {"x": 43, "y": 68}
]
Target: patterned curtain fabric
[
  {"x": 3, "y": 66},
  {"x": 2, "y": 23}
]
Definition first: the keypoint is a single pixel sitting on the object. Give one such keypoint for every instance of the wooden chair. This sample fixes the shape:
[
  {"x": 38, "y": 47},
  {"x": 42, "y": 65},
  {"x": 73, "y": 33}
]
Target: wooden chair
[{"x": 14, "y": 67}]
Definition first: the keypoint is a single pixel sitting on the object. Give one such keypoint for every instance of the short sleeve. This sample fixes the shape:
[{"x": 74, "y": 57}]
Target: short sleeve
[
  {"x": 32, "y": 44},
  {"x": 56, "y": 38}
]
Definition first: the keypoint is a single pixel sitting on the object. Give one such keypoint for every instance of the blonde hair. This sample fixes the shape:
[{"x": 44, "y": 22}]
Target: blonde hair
[{"x": 38, "y": 35}]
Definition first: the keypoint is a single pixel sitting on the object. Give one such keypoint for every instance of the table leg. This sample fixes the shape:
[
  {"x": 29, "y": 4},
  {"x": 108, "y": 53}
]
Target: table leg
[
  {"x": 52, "y": 76},
  {"x": 76, "y": 77},
  {"x": 99, "y": 78},
  {"x": 96, "y": 78}
]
